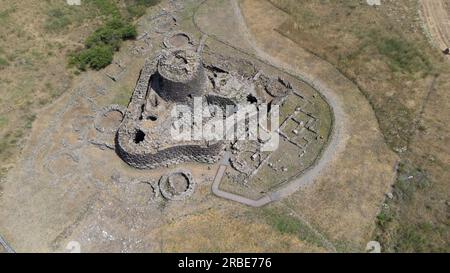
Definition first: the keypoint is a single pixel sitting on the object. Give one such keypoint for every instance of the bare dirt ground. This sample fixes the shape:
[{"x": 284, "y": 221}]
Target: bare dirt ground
[{"x": 436, "y": 15}]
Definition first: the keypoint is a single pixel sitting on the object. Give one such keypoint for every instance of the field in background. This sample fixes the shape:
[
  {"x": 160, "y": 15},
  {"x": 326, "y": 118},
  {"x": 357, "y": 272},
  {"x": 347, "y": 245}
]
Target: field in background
[{"x": 384, "y": 51}]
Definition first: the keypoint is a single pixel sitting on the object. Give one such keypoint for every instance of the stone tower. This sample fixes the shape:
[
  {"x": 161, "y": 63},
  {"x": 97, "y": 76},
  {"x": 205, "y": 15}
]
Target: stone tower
[{"x": 180, "y": 76}]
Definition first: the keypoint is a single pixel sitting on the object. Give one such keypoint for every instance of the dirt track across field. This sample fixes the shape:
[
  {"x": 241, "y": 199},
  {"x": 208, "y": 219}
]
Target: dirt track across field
[{"x": 436, "y": 16}]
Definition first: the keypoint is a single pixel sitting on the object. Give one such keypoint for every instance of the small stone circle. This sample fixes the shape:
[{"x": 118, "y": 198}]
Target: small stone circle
[
  {"x": 167, "y": 187},
  {"x": 168, "y": 43},
  {"x": 103, "y": 112}
]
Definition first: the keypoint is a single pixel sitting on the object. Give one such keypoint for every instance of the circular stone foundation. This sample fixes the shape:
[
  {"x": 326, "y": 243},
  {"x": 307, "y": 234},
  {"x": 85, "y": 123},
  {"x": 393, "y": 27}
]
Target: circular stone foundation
[
  {"x": 177, "y": 185},
  {"x": 109, "y": 118},
  {"x": 178, "y": 40}
]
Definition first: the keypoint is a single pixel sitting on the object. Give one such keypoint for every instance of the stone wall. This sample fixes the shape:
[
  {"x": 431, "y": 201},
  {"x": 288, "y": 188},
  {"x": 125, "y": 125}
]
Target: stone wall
[
  {"x": 171, "y": 87},
  {"x": 171, "y": 155}
]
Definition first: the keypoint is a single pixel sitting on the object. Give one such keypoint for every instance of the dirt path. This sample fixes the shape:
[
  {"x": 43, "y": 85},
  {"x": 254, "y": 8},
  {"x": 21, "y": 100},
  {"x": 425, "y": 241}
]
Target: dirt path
[{"x": 437, "y": 20}]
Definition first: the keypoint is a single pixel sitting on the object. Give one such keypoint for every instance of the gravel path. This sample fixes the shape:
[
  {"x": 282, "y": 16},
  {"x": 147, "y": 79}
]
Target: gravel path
[
  {"x": 6, "y": 246},
  {"x": 230, "y": 196}
]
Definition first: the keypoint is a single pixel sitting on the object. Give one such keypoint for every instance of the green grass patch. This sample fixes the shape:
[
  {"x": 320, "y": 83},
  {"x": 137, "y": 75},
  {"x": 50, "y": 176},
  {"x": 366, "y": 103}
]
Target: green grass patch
[
  {"x": 60, "y": 15},
  {"x": 122, "y": 97},
  {"x": 284, "y": 224},
  {"x": 3, "y": 121},
  {"x": 385, "y": 217},
  {"x": 57, "y": 20},
  {"x": 399, "y": 53},
  {"x": 4, "y": 14},
  {"x": 395, "y": 122},
  {"x": 3, "y": 63},
  {"x": 421, "y": 237},
  {"x": 101, "y": 45},
  {"x": 402, "y": 55},
  {"x": 412, "y": 239},
  {"x": 409, "y": 180},
  {"x": 288, "y": 224},
  {"x": 104, "y": 41},
  {"x": 29, "y": 119},
  {"x": 111, "y": 34},
  {"x": 106, "y": 7},
  {"x": 393, "y": 233},
  {"x": 136, "y": 8},
  {"x": 96, "y": 57},
  {"x": 9, "y": 142}
]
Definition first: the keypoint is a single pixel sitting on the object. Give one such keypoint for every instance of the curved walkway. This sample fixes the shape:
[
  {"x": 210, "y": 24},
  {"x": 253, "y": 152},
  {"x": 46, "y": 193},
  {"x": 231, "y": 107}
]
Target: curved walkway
[{"x": 6, "y": 246}]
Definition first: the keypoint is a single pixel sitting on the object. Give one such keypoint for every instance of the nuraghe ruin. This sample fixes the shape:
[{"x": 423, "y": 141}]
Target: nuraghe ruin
[
  {"x": 143, "y": 139},
  {"x": 179, "y": 75}
]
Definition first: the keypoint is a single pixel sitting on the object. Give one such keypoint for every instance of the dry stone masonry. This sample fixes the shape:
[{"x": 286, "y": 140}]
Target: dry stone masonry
[{"x": 178, "y": 75}]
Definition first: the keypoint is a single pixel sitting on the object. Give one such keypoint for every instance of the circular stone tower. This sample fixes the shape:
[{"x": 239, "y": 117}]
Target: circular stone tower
[{"x": 180, "y": 76}]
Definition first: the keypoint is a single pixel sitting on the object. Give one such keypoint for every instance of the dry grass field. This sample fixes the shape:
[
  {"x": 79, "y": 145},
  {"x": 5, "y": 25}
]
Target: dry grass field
[{"x": 385, "y": 52}]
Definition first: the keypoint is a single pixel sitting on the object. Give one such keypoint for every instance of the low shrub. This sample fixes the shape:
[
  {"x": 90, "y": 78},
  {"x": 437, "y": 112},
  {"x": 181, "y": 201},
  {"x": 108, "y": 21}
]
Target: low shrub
[{"x": 100, "y": 45}]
